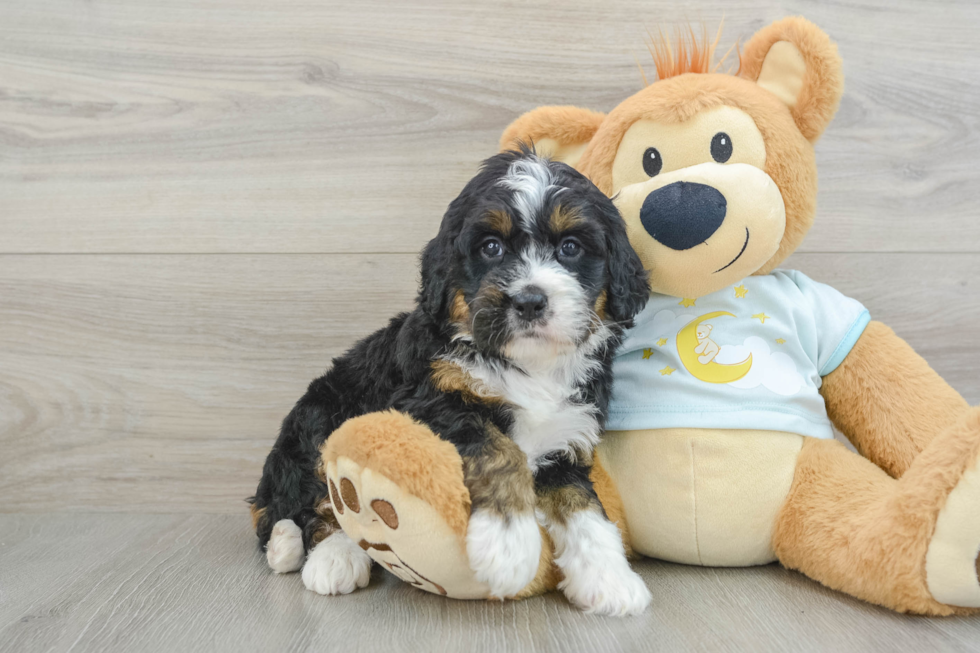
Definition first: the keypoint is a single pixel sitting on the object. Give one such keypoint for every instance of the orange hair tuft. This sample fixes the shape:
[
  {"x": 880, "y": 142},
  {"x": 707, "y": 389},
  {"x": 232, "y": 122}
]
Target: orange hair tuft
[{"x": 688, "y": 53}]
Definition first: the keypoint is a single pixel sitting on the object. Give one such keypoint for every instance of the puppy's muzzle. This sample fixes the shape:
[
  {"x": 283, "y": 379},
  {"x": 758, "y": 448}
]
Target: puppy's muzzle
[
  {"x": 530, "y": 304},
  {"x": 683, "y": 214}
]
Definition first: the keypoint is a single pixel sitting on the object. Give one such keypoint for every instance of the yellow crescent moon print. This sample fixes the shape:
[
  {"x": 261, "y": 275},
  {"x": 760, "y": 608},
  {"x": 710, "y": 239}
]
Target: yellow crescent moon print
[{"x": 712, "y": 372}]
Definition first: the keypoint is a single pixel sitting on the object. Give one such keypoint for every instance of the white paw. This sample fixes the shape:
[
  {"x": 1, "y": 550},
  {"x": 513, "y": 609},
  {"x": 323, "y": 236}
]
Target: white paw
[
  {"x": 284, "y": 552},
  {"x": 503, "y": 553},
  {"x": 598, "y": 578},
  {"x": 336, "y": 566},
  {"x": 616, "y": 590}
]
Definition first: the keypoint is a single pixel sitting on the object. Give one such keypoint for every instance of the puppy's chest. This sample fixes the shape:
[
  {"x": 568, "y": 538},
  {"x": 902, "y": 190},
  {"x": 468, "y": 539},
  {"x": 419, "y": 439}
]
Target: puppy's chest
[{"x": 549, "y": 415}]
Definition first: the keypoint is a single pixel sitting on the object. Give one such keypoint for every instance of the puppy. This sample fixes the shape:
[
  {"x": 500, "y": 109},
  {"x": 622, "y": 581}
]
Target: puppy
[{"x": 525, "y": 293}]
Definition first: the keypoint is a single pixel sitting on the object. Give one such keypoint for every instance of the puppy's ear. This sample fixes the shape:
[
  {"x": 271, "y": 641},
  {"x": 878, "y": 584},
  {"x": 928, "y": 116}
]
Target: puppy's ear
[
  {"x": 437, "y": 260},
  {"x": 628, "y": 289},
  {"x": 556, "y": 133}
]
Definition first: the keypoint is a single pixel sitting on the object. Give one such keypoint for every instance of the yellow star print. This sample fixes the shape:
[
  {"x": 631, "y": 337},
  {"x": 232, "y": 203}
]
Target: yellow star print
[
  {"x": 762, "y": 317},
  {"x": 667, "y": 371},
  {"x": 686, "y": 302},
  {"x": 780, "y": 341},
  {"x": 647, "y": 353},
  {"x": 740, "y": 291},
  {"x": 661, "y": 342}
]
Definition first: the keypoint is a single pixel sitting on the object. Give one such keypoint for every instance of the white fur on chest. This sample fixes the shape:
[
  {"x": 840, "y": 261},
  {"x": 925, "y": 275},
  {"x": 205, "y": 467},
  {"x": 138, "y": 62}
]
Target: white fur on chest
[
  {"x": 546, "y": 420},
  {"x": 548, "y": 415}
]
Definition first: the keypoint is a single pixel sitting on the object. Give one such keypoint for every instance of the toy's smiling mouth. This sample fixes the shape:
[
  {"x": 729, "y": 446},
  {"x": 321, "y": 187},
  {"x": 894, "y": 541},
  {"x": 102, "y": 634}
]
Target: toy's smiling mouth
[{"x": 739, "y": 254}]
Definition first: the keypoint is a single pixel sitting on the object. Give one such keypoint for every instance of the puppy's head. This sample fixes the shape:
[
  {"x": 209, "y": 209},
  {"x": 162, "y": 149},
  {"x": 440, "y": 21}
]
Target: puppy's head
[{"x": 531, "y": 260}]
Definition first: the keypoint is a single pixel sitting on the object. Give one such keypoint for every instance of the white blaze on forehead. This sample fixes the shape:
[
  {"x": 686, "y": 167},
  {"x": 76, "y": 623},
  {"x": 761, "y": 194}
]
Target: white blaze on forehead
[{"x": 532, "y": 182}]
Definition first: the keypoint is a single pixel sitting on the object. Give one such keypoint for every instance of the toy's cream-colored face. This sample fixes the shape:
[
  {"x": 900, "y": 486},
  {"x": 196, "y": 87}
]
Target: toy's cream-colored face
[
  {"x": 700, "y": 209},
  {"x": 714, "y": 174}
]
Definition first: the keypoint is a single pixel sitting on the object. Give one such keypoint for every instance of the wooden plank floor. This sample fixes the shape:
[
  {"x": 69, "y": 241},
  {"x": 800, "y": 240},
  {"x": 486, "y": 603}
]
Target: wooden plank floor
[
  {"x": 197, "y": 582},
  {"x": 202, "y": 201}
]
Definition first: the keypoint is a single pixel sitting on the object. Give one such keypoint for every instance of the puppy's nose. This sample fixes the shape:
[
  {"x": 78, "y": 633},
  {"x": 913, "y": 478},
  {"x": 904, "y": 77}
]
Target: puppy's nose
[
  {"x": 530, "y": 303},
  {"x": 683, "y": 214}
]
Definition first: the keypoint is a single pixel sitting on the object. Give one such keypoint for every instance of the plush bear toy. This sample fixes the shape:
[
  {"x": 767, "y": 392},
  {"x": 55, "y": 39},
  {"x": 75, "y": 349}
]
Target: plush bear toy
[{"x": 720, "y": 449}]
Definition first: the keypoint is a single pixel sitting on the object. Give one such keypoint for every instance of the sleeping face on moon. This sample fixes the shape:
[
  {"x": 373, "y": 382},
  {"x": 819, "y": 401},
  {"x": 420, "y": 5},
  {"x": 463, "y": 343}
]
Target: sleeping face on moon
[{"x": 697, "y": 352}]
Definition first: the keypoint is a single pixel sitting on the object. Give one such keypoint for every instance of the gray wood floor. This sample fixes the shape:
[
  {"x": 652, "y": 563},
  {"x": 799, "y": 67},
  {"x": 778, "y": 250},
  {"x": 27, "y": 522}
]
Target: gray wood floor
[
  {"x": 202, "y": 201},
  {"x": 196, "y": 582}
]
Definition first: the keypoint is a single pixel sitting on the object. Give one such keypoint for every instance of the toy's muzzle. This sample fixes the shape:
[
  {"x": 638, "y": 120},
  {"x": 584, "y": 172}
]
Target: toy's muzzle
[{"x": 683, "y": 214}]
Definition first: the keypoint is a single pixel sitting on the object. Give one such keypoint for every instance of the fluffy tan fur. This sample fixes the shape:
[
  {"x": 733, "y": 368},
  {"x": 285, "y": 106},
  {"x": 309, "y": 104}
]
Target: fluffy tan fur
[{"x": 890, "y": 413}]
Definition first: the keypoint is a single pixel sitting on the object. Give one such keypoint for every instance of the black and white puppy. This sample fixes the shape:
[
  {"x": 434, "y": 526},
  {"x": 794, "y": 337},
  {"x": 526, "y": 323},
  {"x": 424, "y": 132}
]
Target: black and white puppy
[{"x": 525, "y": 293}]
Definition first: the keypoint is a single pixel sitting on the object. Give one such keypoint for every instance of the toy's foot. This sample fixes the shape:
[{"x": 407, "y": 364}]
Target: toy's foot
[
  {"x": 284, "y": 552},
  {"x": 336, "y": 566},
  {"x": 504, "y": 552},
  {"x": 401, "y": 532},
  {"x": 952, "y": 560},
  {"x": 397, "y": 491}
]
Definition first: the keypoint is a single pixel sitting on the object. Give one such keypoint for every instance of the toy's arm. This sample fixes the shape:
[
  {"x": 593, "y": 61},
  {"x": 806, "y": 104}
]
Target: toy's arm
[{"x": 888, "y": 401}]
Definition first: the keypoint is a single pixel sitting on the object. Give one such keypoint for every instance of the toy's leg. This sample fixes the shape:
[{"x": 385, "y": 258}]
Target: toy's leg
[
  {"x": 909, "y": 544},
  {"x": 397, "y": 490}
]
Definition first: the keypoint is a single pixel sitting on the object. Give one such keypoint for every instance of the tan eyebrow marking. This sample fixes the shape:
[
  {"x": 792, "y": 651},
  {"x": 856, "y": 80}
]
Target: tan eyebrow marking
[
  {"x": 499, "y": 221},
  {"x": 563, "y": 219}
]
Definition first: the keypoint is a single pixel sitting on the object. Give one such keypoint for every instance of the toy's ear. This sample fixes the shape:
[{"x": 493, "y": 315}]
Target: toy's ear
[
  {"x": 558, "y": 133},
  {"x": 798, "y": 63}
]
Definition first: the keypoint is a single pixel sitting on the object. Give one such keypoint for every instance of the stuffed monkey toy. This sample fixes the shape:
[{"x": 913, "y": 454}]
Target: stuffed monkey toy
[{"x": 720, "y": 449}]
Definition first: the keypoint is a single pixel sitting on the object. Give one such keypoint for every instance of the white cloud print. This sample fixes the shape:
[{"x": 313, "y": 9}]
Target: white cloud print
[
  {"x": 775, "y": 371},
  {"x": 666, "y": 324}
]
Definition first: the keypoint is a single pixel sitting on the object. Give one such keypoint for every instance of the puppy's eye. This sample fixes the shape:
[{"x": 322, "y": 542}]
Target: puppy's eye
[
  {"x": 492, "y": 248},
  {"x": 569, "y": 248},
  {"x": 721, "y": 147},
  {"x": 652, "y": 162}
]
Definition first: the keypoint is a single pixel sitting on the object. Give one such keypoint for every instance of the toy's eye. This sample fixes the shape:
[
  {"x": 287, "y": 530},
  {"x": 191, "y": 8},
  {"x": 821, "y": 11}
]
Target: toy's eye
[
  {"x": 652, "y": 162},
  {"x": 569, "y": 248},
  {"x": 721, "y": 147},
  {"x": 492, "y": 248}
]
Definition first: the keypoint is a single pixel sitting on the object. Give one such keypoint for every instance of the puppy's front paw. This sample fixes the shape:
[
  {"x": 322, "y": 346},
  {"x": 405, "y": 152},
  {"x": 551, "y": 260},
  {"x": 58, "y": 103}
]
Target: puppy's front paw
[
  {"x": 598, "y": 578},
  {"x": 336, "y": 566},
  {"x": 284, "y": 552},
  {"x": 615, "y": 590},
  {"x": 503, "y": 551}
]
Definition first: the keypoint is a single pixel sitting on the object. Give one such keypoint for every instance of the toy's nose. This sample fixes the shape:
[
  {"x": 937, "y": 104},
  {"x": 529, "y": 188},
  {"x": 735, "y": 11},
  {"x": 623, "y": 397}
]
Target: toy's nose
[{"x": 683, "y": 214}]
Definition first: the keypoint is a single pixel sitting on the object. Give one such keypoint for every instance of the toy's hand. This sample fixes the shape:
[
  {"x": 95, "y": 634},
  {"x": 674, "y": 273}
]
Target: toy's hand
[{"x": 504, "y": 550}]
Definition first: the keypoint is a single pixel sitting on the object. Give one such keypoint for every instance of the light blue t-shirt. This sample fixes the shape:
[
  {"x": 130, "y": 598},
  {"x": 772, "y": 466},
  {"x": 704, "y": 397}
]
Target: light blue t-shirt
[{"x": 750, "y": 356}]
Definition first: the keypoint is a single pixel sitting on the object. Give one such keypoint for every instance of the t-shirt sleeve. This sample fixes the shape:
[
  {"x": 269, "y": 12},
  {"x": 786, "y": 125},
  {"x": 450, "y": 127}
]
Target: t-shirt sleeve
[{"x": 839, "y": 321}]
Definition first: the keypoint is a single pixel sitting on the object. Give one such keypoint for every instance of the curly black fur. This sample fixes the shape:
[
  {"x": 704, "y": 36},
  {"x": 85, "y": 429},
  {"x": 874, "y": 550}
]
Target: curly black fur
[{"x": 391, "y": 368}]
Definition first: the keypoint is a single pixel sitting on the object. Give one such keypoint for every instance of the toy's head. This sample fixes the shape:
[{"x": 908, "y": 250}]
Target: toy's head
[
  {"x": 704, "y": 330},
  {"x": 713, "y": 173}
]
